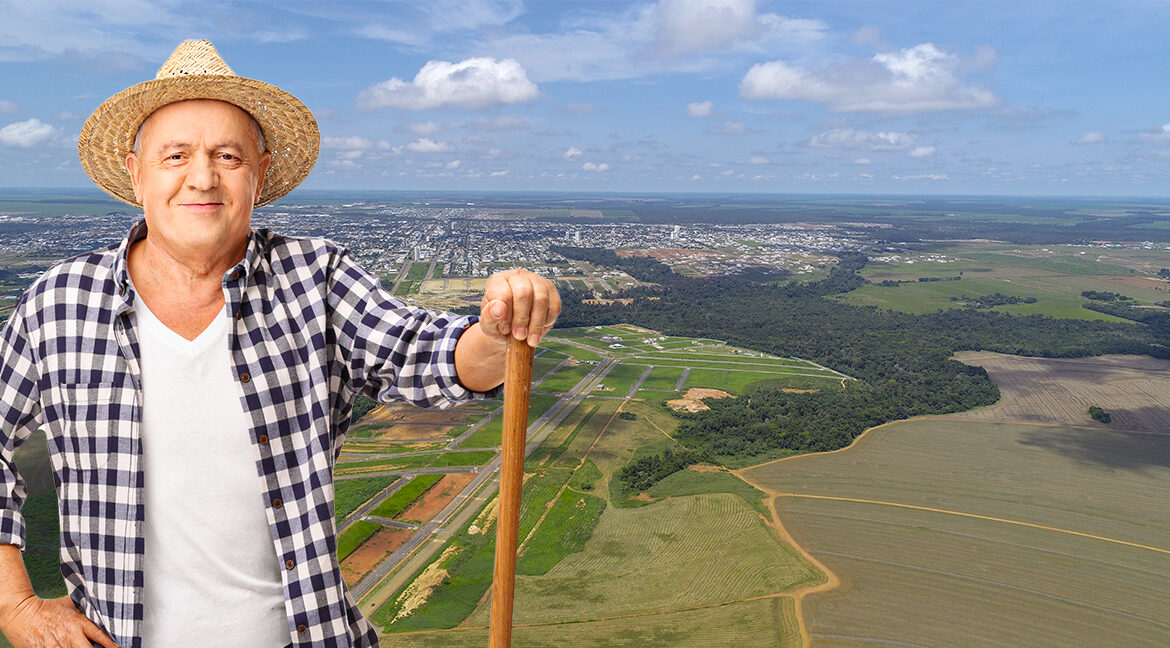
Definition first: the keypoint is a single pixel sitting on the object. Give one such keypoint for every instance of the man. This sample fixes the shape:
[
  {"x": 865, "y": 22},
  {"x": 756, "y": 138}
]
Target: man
[{"x": 195, "y": 382}]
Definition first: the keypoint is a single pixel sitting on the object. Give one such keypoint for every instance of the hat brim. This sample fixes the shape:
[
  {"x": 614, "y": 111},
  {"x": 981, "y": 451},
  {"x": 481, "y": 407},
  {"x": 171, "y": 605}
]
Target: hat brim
[{"x": 290, "y": 131}]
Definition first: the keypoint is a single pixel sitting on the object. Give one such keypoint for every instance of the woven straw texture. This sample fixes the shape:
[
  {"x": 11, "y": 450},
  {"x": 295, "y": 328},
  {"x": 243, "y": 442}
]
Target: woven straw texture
[{"x": 196, "y": 71}]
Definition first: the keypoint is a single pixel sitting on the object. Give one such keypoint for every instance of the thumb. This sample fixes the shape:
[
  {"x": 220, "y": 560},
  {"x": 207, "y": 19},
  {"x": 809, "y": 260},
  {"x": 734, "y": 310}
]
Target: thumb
[{"x": 494, "y": 318}]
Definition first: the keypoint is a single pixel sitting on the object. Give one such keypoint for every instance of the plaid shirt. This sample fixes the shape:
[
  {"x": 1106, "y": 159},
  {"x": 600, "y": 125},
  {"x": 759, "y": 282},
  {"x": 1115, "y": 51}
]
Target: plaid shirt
[{"x": 310, "y": 331}]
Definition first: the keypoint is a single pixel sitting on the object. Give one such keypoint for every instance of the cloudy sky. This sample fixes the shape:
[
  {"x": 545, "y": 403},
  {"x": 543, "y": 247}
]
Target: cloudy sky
[{"x": 1019, "y": 98}]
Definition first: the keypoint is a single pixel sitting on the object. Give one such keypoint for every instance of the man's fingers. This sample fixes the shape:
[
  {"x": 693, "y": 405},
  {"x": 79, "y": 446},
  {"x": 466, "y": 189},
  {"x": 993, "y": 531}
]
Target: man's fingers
[
  {"x": 494, "y": 317},
  {"x": 95, "y": 633},
  {"x": 521, "y": 286},
  {"x": 539, "y": 314}
]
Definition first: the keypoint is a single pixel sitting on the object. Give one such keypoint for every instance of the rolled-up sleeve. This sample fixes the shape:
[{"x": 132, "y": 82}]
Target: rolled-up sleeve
[
  {"x": 399, "y": 352},
  {"x": 20, "y": 414}
]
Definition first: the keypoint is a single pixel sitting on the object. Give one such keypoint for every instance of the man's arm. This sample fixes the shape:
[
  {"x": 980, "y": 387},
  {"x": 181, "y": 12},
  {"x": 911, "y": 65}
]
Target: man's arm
[{"x": 517, "y": 303}]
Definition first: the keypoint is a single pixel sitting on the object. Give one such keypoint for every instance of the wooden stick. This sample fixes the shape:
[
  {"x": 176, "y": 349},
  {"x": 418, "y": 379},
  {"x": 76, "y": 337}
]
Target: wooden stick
[{"x": 517, "y": 384}]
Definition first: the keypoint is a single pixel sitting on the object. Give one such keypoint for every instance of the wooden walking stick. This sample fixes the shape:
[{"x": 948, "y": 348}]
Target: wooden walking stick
[{"x": 517, "y": 384}]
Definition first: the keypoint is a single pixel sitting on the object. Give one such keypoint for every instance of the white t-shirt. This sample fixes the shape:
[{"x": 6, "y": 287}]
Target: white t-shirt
[{"x": 211, "y": 574}]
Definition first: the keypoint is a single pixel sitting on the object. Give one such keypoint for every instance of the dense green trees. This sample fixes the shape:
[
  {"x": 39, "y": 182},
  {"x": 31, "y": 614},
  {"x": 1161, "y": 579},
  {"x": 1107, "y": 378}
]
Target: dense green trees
[
  {"x": 647, "y": 471},
  {"x": 902, "y": 361}
]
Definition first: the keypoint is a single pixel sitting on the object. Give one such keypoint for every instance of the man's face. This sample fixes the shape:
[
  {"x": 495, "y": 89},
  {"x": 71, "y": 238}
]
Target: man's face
[{"x": 197, "y": 173}]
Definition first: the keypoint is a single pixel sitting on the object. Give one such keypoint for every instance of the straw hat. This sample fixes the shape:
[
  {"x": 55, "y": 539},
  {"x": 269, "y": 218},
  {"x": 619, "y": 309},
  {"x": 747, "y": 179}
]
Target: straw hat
[{"x": 196, "y": 71}]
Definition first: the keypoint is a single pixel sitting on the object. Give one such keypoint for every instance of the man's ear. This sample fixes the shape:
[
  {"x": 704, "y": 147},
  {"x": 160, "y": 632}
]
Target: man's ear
[
  {"x": 133, "y": 166},
  {"x": 265, "y": 161}
]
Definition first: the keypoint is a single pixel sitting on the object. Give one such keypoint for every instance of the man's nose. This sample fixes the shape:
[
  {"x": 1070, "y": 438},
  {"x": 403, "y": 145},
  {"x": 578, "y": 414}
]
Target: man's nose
[{"x": 201, "y": 173}]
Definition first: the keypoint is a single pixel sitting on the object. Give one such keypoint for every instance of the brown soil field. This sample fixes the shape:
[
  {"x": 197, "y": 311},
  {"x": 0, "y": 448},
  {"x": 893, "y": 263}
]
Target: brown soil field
[
  {"x": 1134, "y": 390},
  {"x": 692, "y": 401},
  {"x": 371, "y": 552},
  {"x": 431, "y": 502},
  {"x": 789, "y": 390},
  {"x": 404, "y": 413},
  {"x": 396, "y": 432}
]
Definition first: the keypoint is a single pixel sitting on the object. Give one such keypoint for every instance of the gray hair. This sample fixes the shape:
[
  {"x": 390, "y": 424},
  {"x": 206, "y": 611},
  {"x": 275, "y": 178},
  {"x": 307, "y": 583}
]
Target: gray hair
[{"x": 260, "y": 141}]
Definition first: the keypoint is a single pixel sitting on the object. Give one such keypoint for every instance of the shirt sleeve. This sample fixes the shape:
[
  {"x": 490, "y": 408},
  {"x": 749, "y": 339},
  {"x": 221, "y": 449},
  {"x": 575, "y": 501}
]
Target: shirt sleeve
[
  {"x": 398, "y": 352},
  {"x": 20, "y": 414}
]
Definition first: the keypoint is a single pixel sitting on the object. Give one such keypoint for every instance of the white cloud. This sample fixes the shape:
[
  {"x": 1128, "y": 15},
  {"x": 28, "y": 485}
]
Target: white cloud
[
  {"x": 700, "y": 108},
  {"x": 924, "y": 176},
  {"x": 495, "y": 174},
  {"x": 922, "y": 78},
  {"x": 696, "y": 177},
  {"x": 1091, "y": 137},
  {"x": 863, "y": 161},
  {"x": 572, "y": 153},
  {"x": 694, "y": 25},
  {"x": 1157, "y": 134},
  {"x": 503, "y": 123},
  {"x": 8, "y": 106},
  {"x": 922, "y": 152},
  {"x": 454, "y": 164},
  {"x": 632, "y": 159},
  {"x": 589, "y": 166},
  {"x": 646, "y": 39},
  {"x": 427, "y": 145},
  {"x": 758, "y": 159},
  {"x": 733, "y": 127},
  {"x": 27, "y": 134},
  {"x": 865, "y": 140},
  {"x": 65, "y": 115},
  {"x": 353, "y": 143},
  {"x": 425, "y": 128},
  {"x": 474, "y": 83}
]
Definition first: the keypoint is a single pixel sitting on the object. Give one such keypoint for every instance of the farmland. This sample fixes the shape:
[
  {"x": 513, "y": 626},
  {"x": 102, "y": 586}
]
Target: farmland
[
  {"x": 1054, "y": 275},
  {"x": 1061, "y": 533}
]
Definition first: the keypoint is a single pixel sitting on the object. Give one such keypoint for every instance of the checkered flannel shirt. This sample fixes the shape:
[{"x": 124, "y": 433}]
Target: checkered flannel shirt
[{"x": 310, "y": 331}]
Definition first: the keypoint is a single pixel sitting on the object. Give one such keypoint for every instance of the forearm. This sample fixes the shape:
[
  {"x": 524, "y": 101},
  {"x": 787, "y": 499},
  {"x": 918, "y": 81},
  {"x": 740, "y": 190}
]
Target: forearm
[
  {"x": 15, "y": 586},
  {"x": 479, "y": 359}
]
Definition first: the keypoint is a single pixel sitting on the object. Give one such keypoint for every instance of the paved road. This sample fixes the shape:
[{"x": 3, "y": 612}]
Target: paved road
[{"x": 455, "y": 515}]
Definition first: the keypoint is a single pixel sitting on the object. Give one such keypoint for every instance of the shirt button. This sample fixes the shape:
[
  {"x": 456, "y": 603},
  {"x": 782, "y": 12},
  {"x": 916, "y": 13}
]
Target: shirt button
[
  {"x": 289, "y": 564},
  {"x": 239, "y": 314},
  {"x": 235, "y": 274},
  {"x": 263, "y": 439},
  {"x": 276, "y": 503},
  {"x": 302, "y": 629},
  {"x": 244, "y": 377}
]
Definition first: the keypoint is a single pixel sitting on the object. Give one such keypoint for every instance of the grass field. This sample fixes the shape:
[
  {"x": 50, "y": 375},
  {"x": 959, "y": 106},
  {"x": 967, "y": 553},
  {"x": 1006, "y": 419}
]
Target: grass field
[
  {"x": 349, "y": 494},
  {"x": 662, "y": 378},
  {"x": 492, "y": 432},
  {"x": 352, "y": 537},
  {"x": 405, "y": 495},
  {"x": 741, "y": 382},
  {"x": 565, "y": 378},
  {"x": 621, "y": 378},
  {"x": 914, "y": 576}
]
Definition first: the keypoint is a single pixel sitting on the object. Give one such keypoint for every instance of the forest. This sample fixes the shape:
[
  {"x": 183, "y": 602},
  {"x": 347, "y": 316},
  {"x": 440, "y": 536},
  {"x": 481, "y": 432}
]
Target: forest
[{"x": 901, "y": 362}]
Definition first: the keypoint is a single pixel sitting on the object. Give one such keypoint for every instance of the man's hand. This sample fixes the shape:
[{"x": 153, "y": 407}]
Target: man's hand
[
  {"x": 35, "y": 622},
  {"x": 519, "y": 303}
]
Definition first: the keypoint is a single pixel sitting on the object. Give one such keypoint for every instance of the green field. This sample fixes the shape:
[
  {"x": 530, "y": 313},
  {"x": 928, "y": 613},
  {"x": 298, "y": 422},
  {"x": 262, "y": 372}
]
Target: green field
[
  {"x": 1093, "y": 571},
  {"x": 662, "y": 378},
  {"x": 405, "y": 496},
  {"x": 622, "y": 378},
  {"x": 749, "y": 624},
  {"x": 580, "y": 354},
  {"x": 741, "y": 382},
  {"x": 357, "y": 533},
  {"x": 492, "y": 432},
  {"x": 565, "y": 378},
  {"x": 418, "y": 270},
  {"x": 349, "y": 494}
]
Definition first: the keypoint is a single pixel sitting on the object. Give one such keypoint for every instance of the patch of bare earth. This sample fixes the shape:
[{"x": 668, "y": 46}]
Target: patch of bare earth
[
  {"x": 401, "y": 412},
  {"x": 436, "y": 498},
  {"x": 790, "y": 390},
  {"x": 692, "y": 401},
  {"x": 397, "y": 432},
  {"x": 1134, "y": 390},
  {"x": 371, "y": 552},
  {"x": 417, "y": 593},
  {"x": 707, "y": 468}
]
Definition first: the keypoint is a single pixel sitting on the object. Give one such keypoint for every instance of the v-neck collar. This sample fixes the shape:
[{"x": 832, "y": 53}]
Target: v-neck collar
[{"x": 149, "y": 323}]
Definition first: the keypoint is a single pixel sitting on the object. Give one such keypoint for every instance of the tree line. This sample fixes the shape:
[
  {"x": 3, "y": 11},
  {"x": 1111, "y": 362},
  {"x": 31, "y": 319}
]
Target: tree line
[{"x": 902, "y": 361}]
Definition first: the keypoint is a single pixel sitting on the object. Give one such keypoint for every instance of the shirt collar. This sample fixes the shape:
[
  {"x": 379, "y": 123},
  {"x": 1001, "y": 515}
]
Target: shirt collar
[{"x": 239, "y": 272}]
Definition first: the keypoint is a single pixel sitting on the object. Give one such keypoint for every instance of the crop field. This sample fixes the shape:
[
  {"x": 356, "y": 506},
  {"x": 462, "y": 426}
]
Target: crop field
[
  {"x": 1054, "y": 275},
  {"x": 490, "y": 435},
  {"x": 405, "y": 496},
  {"x": 349, "y": 494},
  {"x": 436, "y": 498},
  {"x": 750, "y": 624},
  {"x": 740, "y": 382},
  {"x": 1059, "y": 534},
  {"x": 565, "y": 378},
  {"x": 1134, "y": 390}
]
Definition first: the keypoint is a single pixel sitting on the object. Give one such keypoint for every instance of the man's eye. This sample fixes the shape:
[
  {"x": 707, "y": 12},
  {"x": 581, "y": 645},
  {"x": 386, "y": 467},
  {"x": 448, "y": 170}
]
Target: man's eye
[
  {"x": 227, "y": 156},
  {"x": 175, "y": 156}
]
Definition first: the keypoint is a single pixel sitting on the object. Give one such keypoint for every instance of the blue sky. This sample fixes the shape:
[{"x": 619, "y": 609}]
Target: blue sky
[{"x": 944, "y": 97}]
